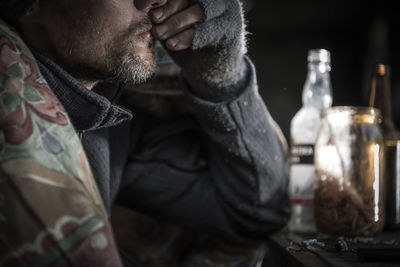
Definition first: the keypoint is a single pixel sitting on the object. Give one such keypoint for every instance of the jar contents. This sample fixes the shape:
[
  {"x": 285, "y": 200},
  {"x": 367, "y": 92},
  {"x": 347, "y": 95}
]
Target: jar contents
[{"x": 349, "y": 184}]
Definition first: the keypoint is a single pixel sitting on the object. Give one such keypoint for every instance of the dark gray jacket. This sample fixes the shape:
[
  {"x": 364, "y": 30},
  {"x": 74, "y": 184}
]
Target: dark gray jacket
[{"x": 222, "y": 170}]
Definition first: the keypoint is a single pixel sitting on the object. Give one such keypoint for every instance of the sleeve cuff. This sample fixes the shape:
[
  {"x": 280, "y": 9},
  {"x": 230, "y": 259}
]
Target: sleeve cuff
[
  {"x": 216, "y": 111},
  {"x": 244, "y": 79}
]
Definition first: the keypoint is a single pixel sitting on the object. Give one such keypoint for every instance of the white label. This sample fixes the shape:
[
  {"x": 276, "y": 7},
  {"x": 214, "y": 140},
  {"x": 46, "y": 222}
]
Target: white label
[{"x": 301, "y": 186}]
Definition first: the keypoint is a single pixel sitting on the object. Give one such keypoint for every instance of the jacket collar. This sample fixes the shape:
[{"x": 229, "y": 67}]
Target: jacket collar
[{"x": 87, "y": 109}]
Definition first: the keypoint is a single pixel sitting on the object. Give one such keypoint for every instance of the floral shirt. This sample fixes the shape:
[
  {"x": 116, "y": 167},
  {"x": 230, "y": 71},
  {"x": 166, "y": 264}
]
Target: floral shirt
[{"x": 50, "y": 210}]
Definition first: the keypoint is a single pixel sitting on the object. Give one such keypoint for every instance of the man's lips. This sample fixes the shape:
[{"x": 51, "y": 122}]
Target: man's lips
[
  {"x": 145, "y": 31},
  {"x": 145, "y": 35},
  {"x": 145, "y": 38}
]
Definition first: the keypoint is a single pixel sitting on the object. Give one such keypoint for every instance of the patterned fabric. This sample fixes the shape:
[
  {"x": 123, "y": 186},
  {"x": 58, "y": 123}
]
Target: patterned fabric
[{"x": 51, "y": 213}]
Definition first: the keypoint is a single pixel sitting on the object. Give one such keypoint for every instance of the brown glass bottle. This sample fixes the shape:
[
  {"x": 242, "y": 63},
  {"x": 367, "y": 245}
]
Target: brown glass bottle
[{"x": 380, "y": 97}]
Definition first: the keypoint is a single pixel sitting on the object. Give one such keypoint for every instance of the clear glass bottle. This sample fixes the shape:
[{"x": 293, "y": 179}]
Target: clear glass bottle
[
  {"x": 317, "y": 97},
  {"x": 349, "y": 163},
  {"x": 380, "y": 97}
]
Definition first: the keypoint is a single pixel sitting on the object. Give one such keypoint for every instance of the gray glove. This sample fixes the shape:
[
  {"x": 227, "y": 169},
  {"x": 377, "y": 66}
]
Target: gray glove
[{"x": 214, "y": 66}]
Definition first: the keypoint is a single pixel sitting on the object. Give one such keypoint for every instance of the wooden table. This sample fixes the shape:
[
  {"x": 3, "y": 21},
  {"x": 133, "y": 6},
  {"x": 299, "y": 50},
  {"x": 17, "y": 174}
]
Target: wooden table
[{"x": 292, "y": 250}]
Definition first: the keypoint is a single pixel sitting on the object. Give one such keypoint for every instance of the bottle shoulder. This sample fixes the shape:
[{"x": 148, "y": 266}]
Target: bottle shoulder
[
  {"x": 305, "y": 125},
  {"x": 390, "y": 133},
  {"x": 306, "y": 113}
]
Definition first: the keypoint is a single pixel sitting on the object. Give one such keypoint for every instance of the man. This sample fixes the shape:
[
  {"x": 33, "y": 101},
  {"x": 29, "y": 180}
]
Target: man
[{"x": 218, "y": 171}]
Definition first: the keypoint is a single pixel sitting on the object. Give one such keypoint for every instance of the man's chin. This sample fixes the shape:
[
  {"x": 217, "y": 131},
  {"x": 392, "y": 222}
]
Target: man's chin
[{"x": 135, "y": 68}]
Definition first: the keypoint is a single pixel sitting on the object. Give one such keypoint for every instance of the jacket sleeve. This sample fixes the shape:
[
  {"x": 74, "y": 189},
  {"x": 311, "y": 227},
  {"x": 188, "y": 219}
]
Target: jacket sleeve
[{"x": 224, "y": 172}]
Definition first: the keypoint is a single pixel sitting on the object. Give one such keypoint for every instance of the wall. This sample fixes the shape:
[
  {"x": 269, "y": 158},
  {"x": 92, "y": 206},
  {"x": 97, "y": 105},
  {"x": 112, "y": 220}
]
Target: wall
[{"x": 356, "y": 34}]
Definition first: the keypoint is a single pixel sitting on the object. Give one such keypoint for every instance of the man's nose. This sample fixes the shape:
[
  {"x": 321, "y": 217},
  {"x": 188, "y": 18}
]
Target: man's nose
[{"x": 147, "y": 5}]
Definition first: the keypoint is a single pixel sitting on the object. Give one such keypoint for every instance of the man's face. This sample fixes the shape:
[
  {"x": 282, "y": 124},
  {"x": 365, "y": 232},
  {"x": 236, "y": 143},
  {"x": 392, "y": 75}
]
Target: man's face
[{"x": 99, "y": 39}]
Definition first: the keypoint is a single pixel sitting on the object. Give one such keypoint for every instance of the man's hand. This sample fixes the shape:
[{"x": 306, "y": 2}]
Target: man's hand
[
  {"x": 206, "y": 38},
  {"x": 174, "y": 23}
]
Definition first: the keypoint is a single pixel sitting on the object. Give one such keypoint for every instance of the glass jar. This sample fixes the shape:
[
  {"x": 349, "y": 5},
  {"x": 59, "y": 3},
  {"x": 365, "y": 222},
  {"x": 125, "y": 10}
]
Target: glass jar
[{"x": 349, "y": 160}]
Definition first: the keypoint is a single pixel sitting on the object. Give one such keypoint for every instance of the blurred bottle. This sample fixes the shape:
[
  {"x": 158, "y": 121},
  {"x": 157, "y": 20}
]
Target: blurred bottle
[
  {"x": 380, "y": 97},
  {"x": 305, "y": 124}
]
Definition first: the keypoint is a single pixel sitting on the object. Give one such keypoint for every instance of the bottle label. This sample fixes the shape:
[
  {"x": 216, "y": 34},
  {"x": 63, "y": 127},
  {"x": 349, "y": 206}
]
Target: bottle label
[
  {"x": 302, "y": 173},
  {"x": 302, "y": 154}
]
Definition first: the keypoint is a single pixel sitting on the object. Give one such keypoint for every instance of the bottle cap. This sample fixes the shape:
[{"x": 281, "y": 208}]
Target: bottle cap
[
  {"x": 319, "y": 56},
  {"x": 382, "y": 69}
]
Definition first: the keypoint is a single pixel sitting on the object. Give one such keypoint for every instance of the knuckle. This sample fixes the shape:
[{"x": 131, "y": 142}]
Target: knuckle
[
  {"x": 198, "y": 10},
  {"x": 183, "y": 46},
  {"x": 175, "y": 22},
  {"x": 181, "y": 41},
  {"x": 181, "y": 4},
  {"x": 168, "y": 8},
  {"x": 186, "y": 38},
  {"x": 194, "y": 14},
  {"x": 165, "y": 11},
  {"x": 158, "y": 34},
  {"x": 190, "y": 37},
  {"x": 174, "y": 6},
  {"x": 157, "y": 16}
]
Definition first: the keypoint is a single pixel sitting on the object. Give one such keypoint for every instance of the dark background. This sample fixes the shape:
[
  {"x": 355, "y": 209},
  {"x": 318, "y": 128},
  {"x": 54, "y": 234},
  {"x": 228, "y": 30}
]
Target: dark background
[{"x": 357, "y": 34}]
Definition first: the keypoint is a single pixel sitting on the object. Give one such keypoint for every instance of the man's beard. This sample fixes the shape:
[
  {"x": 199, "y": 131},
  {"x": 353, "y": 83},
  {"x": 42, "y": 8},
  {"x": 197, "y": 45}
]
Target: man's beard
[
  {"x": 121, "y": 62},
  {"x": 126, "y": 65}
]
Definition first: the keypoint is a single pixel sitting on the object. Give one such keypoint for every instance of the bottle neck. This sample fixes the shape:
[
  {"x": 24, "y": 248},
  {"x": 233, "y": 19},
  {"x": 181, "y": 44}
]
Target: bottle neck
[
  {"x": 380, "y": 97},
  {"x": 317, "y": 88}
]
